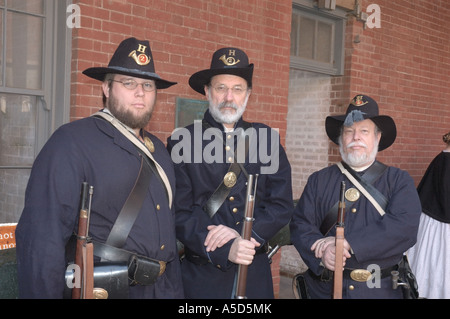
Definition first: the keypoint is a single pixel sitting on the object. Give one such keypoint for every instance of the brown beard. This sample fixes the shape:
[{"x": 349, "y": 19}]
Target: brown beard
[{"x": 125, "y": 116}]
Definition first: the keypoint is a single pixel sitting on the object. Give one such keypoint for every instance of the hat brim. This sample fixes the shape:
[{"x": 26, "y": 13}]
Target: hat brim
[
  {"x": 198, "y": 80},
  {"x": 99, "y": 73},
  {"x": 385, "y": 123}
]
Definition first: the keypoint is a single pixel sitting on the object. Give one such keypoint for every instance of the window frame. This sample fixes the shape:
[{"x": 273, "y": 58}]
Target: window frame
[
  {"x": 336, "y": 18},
  {"x": 53, "y": 106},
  {"x": 52, "y": 99}
]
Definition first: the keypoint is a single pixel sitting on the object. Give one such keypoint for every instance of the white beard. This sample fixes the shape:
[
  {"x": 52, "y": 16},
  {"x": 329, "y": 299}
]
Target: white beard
[
  {"x": 226, "y": 117},
  {"x": 358, "y": 160}
]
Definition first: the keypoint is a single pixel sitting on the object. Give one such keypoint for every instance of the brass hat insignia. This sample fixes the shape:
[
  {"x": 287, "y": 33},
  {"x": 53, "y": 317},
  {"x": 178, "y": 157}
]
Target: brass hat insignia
[
  {"x": 229, "y": 61},
  {"x": 141, "y": 59},
  {"x": 358, "y": 101}
]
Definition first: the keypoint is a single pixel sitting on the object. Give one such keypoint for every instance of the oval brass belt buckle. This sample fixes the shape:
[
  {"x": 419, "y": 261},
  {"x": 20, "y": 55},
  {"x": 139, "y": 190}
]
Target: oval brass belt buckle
[
  {"x": 360, "y": 275},
  {"x": 100, "y": 293}
]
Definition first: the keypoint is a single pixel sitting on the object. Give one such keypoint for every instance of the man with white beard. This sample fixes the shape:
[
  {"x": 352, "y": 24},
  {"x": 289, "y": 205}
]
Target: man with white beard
[
  {"x": 210, "y": 195},
  {"x": 378, "y": 231}
]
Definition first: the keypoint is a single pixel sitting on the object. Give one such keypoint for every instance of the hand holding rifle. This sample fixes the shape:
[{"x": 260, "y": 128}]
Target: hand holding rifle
[{"x": 333, "y": 250}]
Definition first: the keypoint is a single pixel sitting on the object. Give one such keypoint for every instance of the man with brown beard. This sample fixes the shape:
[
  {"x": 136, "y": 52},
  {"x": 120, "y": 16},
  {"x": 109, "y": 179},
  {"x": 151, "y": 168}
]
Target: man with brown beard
[{"x": 110, "y": 151}]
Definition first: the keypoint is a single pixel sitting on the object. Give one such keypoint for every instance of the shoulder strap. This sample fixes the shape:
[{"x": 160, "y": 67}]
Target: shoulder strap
[
  {"x": 331, "y": 217},
  {"x": 368, "y": 190},
  {"x": 131, "y": 208},
  {"x": 142, "y": 148},
  {"x": 216, "y": 200},
  {"x": 369, "y": 177}
]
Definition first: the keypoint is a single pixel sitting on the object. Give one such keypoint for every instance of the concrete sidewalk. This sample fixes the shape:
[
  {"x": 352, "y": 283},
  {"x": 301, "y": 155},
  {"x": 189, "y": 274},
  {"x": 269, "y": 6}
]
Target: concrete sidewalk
[
  {"x": 286, "y": 291},
  {"x": 290, "y": 264}
]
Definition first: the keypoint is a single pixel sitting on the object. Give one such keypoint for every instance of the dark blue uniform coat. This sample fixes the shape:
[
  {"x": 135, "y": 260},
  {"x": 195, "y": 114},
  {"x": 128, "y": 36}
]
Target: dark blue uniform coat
[
  {"x": 375, "y": 240},
  {"x": 195, "y": 184},
  {"x": 92, "y": 150}
]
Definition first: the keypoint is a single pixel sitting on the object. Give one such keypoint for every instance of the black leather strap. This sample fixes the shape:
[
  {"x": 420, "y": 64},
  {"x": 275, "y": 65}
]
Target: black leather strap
[
  {"x": 111, "y": 253},
  {"x": 220, "y": 194},
  {"x": 366, "y": 180},
  {"x": 331, "y": 217},
  {"x": 131, "y": 208}
]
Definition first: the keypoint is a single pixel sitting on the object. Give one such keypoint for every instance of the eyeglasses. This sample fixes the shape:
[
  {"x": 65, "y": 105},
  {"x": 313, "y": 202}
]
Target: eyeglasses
[
  {"x": 132, "y": 84},
  {"x": 223, "y": 89}
]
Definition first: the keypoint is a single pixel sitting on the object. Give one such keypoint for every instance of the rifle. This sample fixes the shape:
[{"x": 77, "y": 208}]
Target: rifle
[
  {"x": 84, "y": 254},
  {"x": 246, "y": 234},
  {"x": 339, "y": 267}
]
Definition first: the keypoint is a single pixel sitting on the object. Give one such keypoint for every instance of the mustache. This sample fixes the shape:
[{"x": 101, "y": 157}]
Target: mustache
[
  {"x": 361, "y": 144},
  {"x": 230, "y": 105}
]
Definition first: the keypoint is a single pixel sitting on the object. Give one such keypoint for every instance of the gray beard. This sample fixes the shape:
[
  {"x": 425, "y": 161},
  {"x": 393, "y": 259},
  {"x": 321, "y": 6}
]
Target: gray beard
[
  {"x": 358, "y": 161},
  {"x": 225, "y": 118}
]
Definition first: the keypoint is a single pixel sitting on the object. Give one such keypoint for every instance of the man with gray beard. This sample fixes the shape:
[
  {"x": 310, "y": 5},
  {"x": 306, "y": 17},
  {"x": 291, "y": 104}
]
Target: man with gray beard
[
  {"x": 210, "y": 195},
  {"x": 377, "y": 232}
]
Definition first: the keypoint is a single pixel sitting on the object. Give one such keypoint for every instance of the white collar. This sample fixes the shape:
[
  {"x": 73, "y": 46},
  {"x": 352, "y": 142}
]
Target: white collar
[{"x": 363, "y": 168}]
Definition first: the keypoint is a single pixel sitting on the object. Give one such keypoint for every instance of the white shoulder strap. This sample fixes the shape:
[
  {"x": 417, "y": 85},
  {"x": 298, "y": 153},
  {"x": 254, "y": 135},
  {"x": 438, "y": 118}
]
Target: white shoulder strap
[
  {"x": 111, "y": 119},
  {"x": 361, "y": 188}
]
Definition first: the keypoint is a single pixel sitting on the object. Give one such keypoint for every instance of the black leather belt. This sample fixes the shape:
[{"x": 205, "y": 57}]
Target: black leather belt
[
  {"x": 200, "y": 261},
  {"x": 141, "y": 270},
  {"x": 363, "y": 275},
  {"x": 195, "y": 259},
  {"x": 360, "y": 275}
]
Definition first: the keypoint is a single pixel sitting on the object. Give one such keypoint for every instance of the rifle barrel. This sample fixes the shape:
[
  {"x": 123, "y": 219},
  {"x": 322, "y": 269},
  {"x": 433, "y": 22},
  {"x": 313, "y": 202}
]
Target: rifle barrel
[
  {"x": 339, "y": 266},
  {"x": 246, "y": 234},
  {"x": 81, "y": 237}
]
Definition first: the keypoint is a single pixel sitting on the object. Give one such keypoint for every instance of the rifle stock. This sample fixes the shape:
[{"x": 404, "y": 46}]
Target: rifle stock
[
  {"x": 339, "y": 264},
  {"x": 84, "y": 248},
  {"x": 88, "y": 271},
  {"x": 241, "y": 284}
]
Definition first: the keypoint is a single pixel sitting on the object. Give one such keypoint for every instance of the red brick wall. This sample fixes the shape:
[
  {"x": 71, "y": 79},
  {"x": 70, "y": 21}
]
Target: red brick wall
[
  {"x": 405, "y": 66},
  {"x": 183, "y": 35}
]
